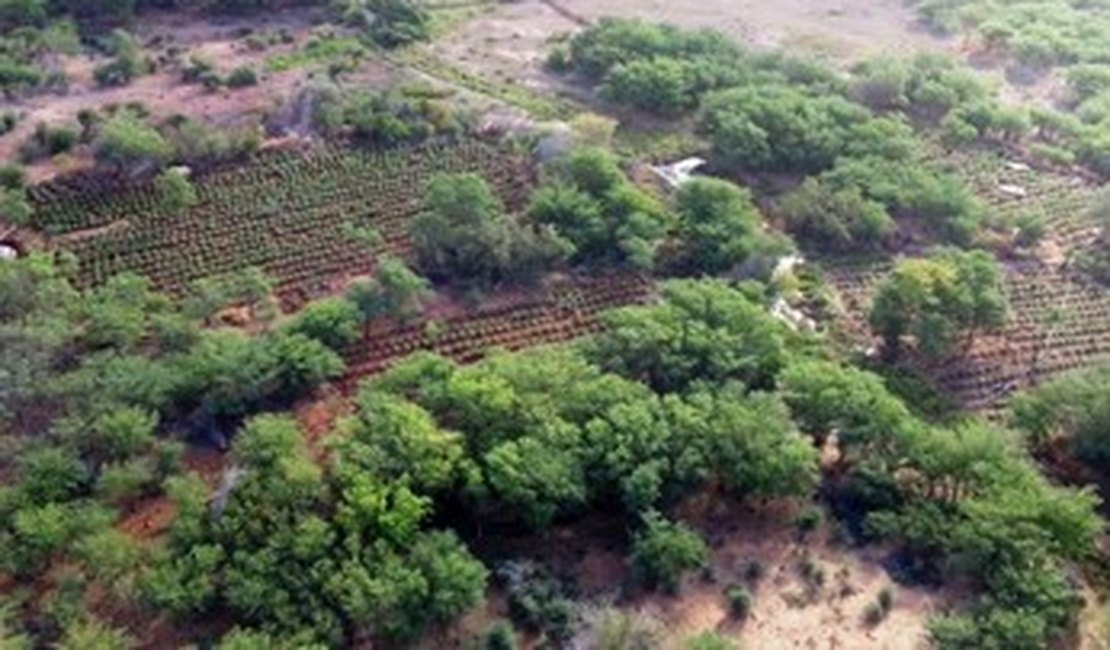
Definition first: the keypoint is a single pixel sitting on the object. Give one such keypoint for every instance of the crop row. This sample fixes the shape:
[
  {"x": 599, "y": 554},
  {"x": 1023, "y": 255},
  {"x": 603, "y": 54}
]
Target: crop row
[
  {"x": 1060, "y": 322},
  {"x": 567, "y": 308},
  {"x": 1009, "y": 188},
  {"x": 296, "y": 216}
]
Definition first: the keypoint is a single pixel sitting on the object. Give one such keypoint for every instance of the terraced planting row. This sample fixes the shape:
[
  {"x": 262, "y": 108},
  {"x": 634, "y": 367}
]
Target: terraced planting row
[
  {"x": 1060, "y": 322},
  {"x": 567, "y": 308},
  {"x": 1009, "y": 189},
  {"x": 295, "y": 215}
]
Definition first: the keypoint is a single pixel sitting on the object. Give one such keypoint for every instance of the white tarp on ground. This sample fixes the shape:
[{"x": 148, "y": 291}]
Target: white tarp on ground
[{"x": 675, "y": 174}]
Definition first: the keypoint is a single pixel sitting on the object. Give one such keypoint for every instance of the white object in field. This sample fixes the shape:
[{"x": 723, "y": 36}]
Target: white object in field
[
  {"x": 786, "y": 266},
  {"x": 794, "y": 318},
  {"x": 1016, "y": 191},
  {"x": 8, "y": 252},
  {"x": 678, "y": 173},
  {"x": 1016, "y": 166},
  {"x": 230, "y": 480}
]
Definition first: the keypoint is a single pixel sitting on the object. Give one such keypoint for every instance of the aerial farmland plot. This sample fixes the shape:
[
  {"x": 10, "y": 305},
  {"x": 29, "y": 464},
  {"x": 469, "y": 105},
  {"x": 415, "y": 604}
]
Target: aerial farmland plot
[{"x": 624, "y": 324}]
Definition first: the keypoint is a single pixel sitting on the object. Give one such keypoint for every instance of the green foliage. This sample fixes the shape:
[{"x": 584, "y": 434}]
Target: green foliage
[
  {"x": 739, "y": 600},
  {"x": 242, "y": 77},
  {"x": 610, "y": 628},
  {"x": 779, "y": 128},
  {"x": 126, "y": 144},
  {"x": 1075, "y": 406},
  {"x": 397, "y": 22},
  {"x": 703, "y": 331},
  {"x": 352, "y": 551},
  {"x": 933, "y": 301},
  {"x": 840, "y": 220},
  {"x": 333, "y": 322},
  {"x": 666, "y": 70},
  {"x": 92, "y": 634},
  {"x": 710, "y": 641},
  {"x": 597, "y": 214},
  {"x": 48, "y": 141},
  {"x": 175, "y": 188},
  {"x": 938, "y": 201},
  {"x": 465, "y": 237},
  {"x": 664, "y": 551},
  {"x": 399, "y": 441},
  {"x": 719, "y": 229},
  {"x": 385, "y": 119},
  {"x": 499, "y": 636},
  {"x": 661, "y": 85},
  {"x": 127, "y": 63},
  {"x": 393, "y": 291},
  {"x": 751, "y": 446},
  {"x": 537, "y": 603},
  {"x": 929, "y": 86},
  {"x": 825, "y": 397}
]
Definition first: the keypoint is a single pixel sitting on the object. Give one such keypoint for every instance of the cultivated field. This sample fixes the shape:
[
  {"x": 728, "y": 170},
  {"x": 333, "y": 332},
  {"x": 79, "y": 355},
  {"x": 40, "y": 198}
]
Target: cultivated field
[
  {"x": 1061, "y": 318},
  {"x": 295, "y": 215}
]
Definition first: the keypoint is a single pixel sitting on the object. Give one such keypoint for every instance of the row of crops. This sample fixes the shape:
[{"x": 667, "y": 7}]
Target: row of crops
[
  {"x": 567, "y": 308},
  {"x": 1010, "y": 189},
  {"x": 1060, "y": 322},
  {"x": 295, "y": 215},
  {"x": 1060, "y": 319}
]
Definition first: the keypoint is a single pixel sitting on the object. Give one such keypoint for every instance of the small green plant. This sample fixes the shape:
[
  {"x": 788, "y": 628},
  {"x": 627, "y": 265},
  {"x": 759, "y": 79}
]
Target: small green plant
[
  {"x": 739, "y": 600},
  {"x": 500, "y": 636},
  {"x": 711, "y": 641},
  {"x": 12, "y": 177},
  {"x": 242, "y": 77},
  {"x": 807, "y": 521}
]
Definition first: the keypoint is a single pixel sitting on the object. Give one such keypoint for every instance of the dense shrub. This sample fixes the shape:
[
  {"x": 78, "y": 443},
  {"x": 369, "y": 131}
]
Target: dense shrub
[{"x": 665, "y": 551}]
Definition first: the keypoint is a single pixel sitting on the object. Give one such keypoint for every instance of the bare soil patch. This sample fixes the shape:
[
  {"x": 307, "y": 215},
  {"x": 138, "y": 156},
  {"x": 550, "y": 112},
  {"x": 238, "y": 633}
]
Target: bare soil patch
[{"x": 163, "y": 94}]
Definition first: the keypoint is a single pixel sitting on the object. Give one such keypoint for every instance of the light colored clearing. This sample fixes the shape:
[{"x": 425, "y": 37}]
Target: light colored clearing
[
  {"x": 851, "y": 28},
  {"x": 1094, "y": 622},
  {"x": 163, "y": 94},
  {"x": 785, "y": 613}
]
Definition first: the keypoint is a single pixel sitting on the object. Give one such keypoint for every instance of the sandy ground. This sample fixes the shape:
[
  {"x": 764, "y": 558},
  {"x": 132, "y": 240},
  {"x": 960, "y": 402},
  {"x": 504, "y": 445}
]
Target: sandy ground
[
  {"x": 510, "y": 42},
  {"x": 162, "y": 93},
  {"x": 841, "y": 28},
  {"x": 785, "y": 612}
]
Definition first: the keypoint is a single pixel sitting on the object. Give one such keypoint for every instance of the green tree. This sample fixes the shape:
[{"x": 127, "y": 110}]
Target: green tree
[
  {"x": 397, "y": 440},
  {"x": 703, "y": 330},
  {"x": 780, "y": 128},
  {"x": 751, "y": 444},
  {"x": 663, "y": 551},
  {"x": 398, "y": 22},
  {"x": 719, "y": 228},
  {"x": 463, "y": 233},
  {"x": 332, "y": 321},
  {"x": 127, "y": 145},
  {"x": 176, "y": 190},
  {"x": 660, "y": 85},
  {"x": 91, "y": 634},
  {"x": 394, "y": 291},
  {"x": 824, "y": 397},
  {"x": 599, "y": 215},
  {"x": 839, "y": 220},
  {"x": 935, "y": 300}
]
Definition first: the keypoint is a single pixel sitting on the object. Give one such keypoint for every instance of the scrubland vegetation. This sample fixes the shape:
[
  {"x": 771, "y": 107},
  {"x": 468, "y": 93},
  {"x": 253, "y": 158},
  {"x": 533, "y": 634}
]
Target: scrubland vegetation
[{"x": 514, "y": 336}]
